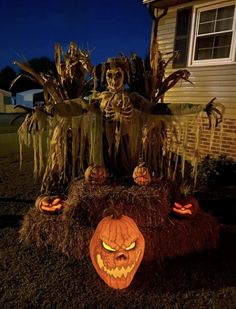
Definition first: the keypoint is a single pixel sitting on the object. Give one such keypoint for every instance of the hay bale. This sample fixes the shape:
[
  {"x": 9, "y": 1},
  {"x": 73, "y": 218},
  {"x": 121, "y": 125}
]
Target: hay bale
[
  {"x": 165, "y": 235},
  {"x": 179, "y": 237},
  {"x": 149, "y": 206},
  {"x": 53, "y": 231}
]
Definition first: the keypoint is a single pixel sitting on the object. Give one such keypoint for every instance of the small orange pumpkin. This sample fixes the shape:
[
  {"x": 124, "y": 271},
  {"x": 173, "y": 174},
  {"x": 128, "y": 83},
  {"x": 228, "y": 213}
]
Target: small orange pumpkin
[
  {"x": 141, "y": 175},
  {"x": 116, "y": 250},
  {"x": 95, "y": 174},
  {"x": 49, "y": 204},
  {"x": 187, "y": 207}
]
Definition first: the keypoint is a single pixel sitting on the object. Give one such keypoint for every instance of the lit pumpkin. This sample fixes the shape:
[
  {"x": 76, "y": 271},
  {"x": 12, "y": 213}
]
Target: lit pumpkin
[
  {"x": 116, "y": 250},
  {"x": 49, "y": 204},
  {"x": 95, "y": 174},
  {"x": 187, "y": 207},
  {"x": 141, "y": 175}
]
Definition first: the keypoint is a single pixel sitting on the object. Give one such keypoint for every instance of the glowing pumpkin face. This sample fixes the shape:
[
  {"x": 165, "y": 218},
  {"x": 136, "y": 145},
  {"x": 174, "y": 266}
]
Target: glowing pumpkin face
[
  {"x": 116, "y": 250},
  {"x": 49, "y": 204},
  {"x": 141, "y": 175},
  {"x": 186, "y": 208},
  {"x": 95, "y": 174}
]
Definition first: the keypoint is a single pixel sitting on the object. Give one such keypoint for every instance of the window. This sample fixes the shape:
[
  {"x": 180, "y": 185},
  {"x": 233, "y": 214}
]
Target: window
[
  {"x": 213, "y": 34},
  {"x": 7, "y": 100},
  {"x": 183, "y": 24}
]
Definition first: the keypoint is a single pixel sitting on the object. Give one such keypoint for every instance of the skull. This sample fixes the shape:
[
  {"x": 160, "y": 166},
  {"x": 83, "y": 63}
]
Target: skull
[{"x": 115, "y": 79}]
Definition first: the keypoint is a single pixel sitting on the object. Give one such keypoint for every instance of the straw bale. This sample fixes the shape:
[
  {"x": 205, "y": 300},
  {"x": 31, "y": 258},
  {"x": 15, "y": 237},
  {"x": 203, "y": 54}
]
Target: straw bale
[
  {"x": 166, "y": 236},
  {"x": 181, "y": 236},
  {"x": 149, "y": 206},
  {"x": 53, "y": 231}
]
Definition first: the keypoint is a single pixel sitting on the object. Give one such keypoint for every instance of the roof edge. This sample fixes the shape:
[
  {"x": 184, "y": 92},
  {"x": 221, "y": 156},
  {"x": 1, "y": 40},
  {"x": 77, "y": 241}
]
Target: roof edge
[{"x": 163, "y": 3}]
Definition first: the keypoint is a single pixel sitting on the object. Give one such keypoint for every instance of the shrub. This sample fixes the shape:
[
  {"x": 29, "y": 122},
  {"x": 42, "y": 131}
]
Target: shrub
[{"x": 217, "y": 171}]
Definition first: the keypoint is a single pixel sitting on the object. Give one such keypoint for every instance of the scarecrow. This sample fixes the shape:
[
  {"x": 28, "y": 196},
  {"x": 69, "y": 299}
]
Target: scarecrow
[
  {"x": 118, "y": 146},
  {"x": 124, "y": 130}
]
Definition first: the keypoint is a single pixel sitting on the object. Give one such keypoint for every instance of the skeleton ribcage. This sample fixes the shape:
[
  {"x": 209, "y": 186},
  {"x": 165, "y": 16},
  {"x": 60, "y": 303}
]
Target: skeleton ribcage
[{"x": 118, "y": 110}]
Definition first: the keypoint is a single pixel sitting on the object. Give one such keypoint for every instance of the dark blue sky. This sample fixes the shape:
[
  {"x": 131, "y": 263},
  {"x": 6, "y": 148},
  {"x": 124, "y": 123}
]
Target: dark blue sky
[{"x": 29, "y": 28}]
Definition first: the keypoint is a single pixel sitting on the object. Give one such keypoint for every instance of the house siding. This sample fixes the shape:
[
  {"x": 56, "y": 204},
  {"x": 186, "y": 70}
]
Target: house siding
[
  {"x": 3, "y": 107},
  {"x": 210, "y": 81}
]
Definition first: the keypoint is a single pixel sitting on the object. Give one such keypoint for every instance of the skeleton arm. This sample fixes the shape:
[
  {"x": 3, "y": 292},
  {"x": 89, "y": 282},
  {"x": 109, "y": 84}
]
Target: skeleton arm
[
  {"x": 213, "y": 110},
  {"x": 75, "y": 107}
]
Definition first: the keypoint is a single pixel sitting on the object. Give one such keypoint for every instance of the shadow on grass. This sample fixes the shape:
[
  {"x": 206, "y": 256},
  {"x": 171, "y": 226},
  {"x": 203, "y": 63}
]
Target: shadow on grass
[{"x": 10, "y": 221}]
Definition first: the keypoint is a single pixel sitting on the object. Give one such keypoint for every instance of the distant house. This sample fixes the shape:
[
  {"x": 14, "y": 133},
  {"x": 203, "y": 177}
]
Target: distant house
[
  {"x": 6, "y": 101},
  {"x": 8, "y": 112},
  {"x": 204, "y": 33},
  {"x": 27, "y": 98}
]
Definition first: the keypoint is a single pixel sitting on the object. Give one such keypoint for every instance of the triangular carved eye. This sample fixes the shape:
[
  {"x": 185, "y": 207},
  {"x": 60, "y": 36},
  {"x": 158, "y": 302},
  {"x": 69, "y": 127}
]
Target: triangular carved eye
[
  {"x": 177, "y": 205},
  {"x": 188, "y": 206},
  {"x": 107, "y": 247},
  {"x": 56, "y": 202},
  {"x": 131, "y": 246}
]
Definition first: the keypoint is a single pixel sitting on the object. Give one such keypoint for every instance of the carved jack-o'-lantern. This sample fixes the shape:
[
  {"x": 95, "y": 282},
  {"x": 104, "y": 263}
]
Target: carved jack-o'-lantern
[
  {"x": 116, "y": 250},
  {"x": 49, "y": 204},
  {"x": 187, "y": 207},
  {"x": 141, "y": 175},
  {"x": 95, "y": 174}
]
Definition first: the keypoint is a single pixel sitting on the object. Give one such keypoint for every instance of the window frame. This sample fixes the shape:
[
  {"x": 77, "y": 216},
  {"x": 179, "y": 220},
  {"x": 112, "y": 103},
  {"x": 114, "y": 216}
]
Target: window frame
[
  {"x": 194, "y": 30},
  {"x": 177, "y": 63}
]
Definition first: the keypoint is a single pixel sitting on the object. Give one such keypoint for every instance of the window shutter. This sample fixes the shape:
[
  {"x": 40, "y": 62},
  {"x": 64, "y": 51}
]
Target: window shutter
[{"x": 182, "y": 33}]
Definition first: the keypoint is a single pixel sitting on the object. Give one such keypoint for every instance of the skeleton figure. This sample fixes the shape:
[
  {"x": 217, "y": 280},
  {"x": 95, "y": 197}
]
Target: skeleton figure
[
  {"x": 119, "y": 106},
  {"x": 118, "y": 109}
]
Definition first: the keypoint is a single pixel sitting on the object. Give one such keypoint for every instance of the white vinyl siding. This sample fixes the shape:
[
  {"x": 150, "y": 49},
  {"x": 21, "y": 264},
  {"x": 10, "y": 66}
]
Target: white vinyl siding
[{"x": 209, "y": 81}]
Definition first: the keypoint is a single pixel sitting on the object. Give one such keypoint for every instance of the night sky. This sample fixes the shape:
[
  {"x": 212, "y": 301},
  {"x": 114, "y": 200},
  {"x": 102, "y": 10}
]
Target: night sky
[{"x": 29, "y": 28}]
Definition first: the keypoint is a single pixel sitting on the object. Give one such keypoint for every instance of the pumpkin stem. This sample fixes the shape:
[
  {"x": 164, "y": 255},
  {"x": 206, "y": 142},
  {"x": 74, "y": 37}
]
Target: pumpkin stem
[
  {"x": 112, "y": 212},
  {"x": 185, "y": 189}
]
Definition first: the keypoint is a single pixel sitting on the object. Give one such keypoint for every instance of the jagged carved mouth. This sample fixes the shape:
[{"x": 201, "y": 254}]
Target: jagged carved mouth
[
  {"x": 117, "y": 272},
  {"x": 182, "y": 211},
  {"x": 142, "y": 178}
]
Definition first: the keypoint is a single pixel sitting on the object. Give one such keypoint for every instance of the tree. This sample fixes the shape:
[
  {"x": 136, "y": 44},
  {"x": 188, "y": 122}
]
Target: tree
[
  {"x": 7, "y": 75},
  {"x": 40, "y": 65}
]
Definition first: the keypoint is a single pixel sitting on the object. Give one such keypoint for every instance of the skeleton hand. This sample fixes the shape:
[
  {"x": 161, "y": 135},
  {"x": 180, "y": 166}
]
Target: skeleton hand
[{"x": 215, "y": 112}]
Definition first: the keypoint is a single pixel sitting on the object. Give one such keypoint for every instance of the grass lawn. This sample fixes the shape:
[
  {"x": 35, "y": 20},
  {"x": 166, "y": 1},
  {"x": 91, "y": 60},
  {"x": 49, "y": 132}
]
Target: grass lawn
[{"x": 34, "y": 278}]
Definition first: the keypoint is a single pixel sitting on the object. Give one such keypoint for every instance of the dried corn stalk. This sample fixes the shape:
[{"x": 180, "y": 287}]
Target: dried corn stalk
[{"x": 157, "y": 134}]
